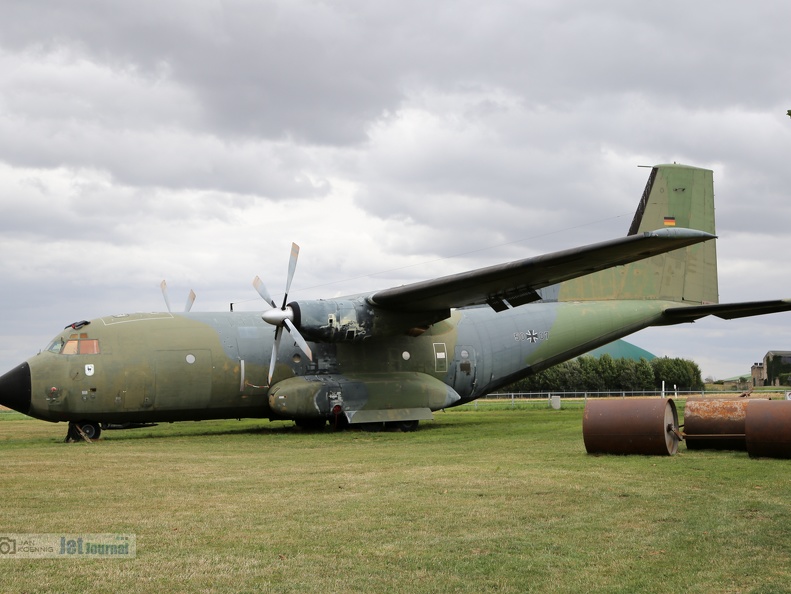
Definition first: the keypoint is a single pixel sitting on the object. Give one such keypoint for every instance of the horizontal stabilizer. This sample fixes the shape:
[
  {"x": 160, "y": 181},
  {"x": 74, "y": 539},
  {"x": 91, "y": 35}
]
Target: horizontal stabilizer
[{"x": 727, "y": 311}]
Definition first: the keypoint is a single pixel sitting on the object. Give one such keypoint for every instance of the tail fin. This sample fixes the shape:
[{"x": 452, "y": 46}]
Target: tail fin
[{"x": 675, "y": 195}]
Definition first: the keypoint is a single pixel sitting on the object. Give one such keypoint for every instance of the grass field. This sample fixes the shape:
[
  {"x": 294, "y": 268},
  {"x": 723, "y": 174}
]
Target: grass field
[{"x": 488, "y": 500}]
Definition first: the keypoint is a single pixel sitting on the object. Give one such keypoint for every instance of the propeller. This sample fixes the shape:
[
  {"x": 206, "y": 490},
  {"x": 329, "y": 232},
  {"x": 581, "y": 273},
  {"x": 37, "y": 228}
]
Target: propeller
[
  {"x": 190, "y": 297},
  {"x": 283, "y": 316}
]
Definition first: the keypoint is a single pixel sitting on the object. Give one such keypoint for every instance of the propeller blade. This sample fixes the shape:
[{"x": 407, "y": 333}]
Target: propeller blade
[
  {"x": 259, "y": 286},
  {"x": 292, "y": 266},
  {"x": 281, "y": 317},
  {"x": 301, "y": 343},
  {"x": 164, "y": 287},
  {"x": 275, "y": 348},
  {"x": 190, "y": 301}
]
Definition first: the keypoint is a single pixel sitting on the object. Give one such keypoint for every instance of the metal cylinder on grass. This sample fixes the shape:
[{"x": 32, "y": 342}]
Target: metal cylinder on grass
[
  {"x": 638, "y": 426},
  {"x": 715, "y": 423},
  {"x": 768, "y": 428}
]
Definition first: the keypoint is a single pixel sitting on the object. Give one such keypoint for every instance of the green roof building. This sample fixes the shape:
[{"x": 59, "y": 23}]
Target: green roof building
[{"x": 620, "y": 349}]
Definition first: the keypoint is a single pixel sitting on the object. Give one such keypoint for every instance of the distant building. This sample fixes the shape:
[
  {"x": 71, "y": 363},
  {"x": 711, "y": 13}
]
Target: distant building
[
  {"x": 774, "y": 369},
  {"x": 620, "y": 349},
  {"x": 758, "y": 374}
]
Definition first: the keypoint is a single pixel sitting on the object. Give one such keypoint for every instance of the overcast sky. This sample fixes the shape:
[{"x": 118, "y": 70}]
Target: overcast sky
[{"x": 195, "y": 140}]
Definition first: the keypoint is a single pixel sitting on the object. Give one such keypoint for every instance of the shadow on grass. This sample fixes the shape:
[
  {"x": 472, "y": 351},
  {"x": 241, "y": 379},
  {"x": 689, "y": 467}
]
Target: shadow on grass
[
  {"x": 27, "y": 431},
  {"x": 274, "y": 428}
]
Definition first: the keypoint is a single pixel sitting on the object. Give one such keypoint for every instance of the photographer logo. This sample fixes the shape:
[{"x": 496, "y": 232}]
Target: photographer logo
[
  {"x": 67, "y": 546},
  {"x": 7, "y": 546}
]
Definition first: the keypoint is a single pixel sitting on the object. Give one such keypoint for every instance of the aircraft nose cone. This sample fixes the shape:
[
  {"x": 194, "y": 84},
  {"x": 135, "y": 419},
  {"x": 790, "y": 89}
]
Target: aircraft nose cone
[{"x": 15, "y": 389}]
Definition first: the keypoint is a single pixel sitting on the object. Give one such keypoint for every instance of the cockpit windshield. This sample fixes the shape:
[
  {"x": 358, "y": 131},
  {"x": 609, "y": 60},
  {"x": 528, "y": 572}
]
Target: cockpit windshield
[
  {"x": 74, "y": 345},
  {"x": 56, "y": 346}
]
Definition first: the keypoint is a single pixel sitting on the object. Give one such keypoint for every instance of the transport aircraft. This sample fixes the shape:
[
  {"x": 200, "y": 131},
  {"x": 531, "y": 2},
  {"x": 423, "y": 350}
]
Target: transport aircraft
[{"x": 388, "y": 357}]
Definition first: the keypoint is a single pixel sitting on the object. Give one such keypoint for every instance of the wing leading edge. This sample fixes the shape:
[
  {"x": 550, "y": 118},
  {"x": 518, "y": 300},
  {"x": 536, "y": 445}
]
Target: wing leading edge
[{"x": 515, "y": 283}]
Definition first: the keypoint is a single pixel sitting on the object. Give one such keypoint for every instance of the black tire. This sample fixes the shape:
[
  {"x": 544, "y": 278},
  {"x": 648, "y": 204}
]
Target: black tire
[
  {"x": 407, "y": 426},
  {"x": 91, "y": 429},
  {"x": 339, "y": 422},
  {"x": 71, "y": 434},
  {"x": 372, "y": 427},
  {"x": 311, "y": 424}
]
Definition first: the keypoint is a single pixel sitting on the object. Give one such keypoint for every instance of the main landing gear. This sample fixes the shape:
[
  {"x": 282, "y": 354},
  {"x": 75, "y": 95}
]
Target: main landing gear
[
  {"x": 82, "y": 431},
  {"x": 339, "y": 423},
  {"x": 405, "y": 426},
  {"x": 311, "y": 424}
]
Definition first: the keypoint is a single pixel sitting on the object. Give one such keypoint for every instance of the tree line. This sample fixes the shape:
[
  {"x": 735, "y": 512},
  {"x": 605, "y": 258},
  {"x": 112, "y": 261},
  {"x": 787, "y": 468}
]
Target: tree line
[{"x": 591, "y": 374}]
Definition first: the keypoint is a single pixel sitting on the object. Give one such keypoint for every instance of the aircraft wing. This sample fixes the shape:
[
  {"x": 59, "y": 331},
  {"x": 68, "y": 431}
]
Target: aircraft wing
[
  {"x": 726, "y": 311},
  {"x": 517, "y": 282}
]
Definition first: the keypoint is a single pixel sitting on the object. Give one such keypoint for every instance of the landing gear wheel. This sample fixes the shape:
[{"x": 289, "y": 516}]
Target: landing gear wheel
[
  {"x": 407, "y": 426},
  {"x": 339, "y": 422},
  {"x": 89, "y": 429},
  {"x": 372, "y": 427},
  {"x": 311, "y": 424},
  {"x": 72, "y": 434}
]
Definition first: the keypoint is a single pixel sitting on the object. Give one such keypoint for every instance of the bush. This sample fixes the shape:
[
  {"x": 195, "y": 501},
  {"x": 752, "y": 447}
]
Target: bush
[{"x": 589, "y": 374}]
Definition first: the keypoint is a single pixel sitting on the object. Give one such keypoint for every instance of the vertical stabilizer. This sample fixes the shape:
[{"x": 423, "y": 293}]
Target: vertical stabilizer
[{"x": 675, "y": 196}]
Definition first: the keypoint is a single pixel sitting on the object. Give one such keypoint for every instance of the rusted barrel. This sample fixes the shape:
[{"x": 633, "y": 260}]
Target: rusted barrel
[
  {"x": 715, "y": 423},
  {"x": 636, "y": 426},
  {"x": 768, "y": 428}
]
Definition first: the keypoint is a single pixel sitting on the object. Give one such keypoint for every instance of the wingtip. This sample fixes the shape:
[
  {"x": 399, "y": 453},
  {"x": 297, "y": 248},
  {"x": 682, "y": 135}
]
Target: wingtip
[{"x": 680, "y": 233}]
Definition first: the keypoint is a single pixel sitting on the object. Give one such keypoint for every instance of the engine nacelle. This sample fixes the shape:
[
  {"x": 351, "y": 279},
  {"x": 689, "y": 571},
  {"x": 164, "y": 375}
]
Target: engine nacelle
[
  {"x": 394, "y": 396},
  {"x": 351, "y": 320}
]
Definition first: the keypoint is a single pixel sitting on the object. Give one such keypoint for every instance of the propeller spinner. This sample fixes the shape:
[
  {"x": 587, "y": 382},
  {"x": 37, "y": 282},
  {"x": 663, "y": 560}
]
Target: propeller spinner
[{"x": 283, "y": 316}]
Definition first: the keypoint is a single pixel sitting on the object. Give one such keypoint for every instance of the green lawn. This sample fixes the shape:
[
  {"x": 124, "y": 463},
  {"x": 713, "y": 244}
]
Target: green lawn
[{"x": 488, "y": 500}]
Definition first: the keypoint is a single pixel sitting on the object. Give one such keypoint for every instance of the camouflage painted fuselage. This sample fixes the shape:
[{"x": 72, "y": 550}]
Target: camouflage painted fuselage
[{"x": 171, "y": 367}]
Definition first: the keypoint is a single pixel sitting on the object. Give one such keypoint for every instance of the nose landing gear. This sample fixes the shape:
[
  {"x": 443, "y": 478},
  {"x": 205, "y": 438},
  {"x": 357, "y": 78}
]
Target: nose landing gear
[{"x": 82, "y": 431}]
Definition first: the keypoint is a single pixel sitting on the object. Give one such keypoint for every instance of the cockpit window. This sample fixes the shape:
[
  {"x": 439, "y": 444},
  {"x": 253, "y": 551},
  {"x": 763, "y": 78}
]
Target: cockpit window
[
  {"x": 75, "y": 346},
  {"x": 89, "y": 347},
  {"x": 56, "y": 346},
  {"x": 72, "y": 347}
]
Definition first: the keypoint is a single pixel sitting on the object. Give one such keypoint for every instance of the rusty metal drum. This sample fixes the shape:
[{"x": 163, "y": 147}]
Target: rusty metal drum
[
  {"x": 715, "y": 423},
  {"x": 635, "y": 426},
  {"x": 768, "y": 428}
]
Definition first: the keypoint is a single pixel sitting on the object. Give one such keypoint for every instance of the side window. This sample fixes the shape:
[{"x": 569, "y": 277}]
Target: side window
[{"x": 56, "y": 346}]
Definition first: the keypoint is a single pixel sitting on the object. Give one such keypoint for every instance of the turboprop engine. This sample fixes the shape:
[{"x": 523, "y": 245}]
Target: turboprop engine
[
  {"x": 354, "y": 319},
  {"x": 362, "y": 398},
  {"x": 335, "y": 320}
]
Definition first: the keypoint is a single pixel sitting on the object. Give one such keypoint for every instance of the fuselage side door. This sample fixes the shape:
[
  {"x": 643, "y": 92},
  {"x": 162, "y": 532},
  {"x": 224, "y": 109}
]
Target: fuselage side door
[{"x": 465, "y": 364}]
